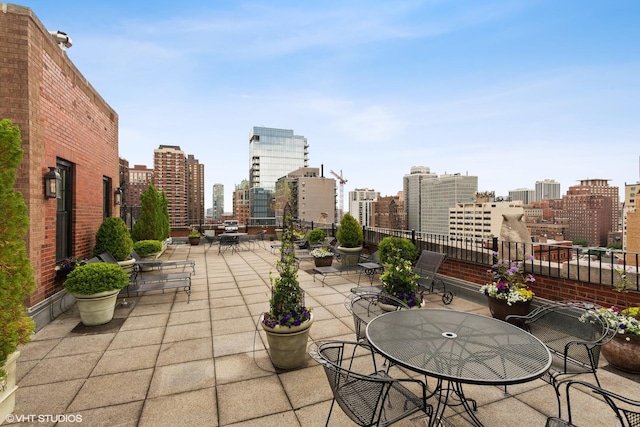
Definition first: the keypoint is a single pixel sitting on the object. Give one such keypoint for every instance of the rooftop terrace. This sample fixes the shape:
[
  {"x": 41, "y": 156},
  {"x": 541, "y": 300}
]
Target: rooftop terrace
[{"x": 163, "y": 362}]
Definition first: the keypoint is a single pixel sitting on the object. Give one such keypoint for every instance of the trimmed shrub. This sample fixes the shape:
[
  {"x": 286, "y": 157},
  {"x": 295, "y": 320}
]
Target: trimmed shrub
[
  {"x": 349, "y": 233},
  {"x": 147, "y": 247},
  {"x": 406, "y": 249},
  {"x": 113, "y": 237},
  {"x": 315, "y": 236},
  {"x": 96, "y": 277}
]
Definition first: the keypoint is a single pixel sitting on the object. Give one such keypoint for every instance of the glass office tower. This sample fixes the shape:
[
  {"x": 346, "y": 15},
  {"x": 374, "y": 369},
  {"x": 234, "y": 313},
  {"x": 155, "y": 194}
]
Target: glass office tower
[{"x": 273, "y": 153}]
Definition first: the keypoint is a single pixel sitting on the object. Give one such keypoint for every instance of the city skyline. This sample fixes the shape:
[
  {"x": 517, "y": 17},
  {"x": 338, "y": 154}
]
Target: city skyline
[{"x": 510, "y": 92}]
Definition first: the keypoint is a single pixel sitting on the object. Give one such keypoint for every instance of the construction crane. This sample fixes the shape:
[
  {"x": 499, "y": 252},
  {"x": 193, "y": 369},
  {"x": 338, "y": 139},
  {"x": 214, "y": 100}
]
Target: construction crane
[{"x": 342, "y": 182}]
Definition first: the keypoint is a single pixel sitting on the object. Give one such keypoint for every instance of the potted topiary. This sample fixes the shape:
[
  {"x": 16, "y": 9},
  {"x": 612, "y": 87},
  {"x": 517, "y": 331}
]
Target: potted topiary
[
  {"x": 316, "y": 237},
  {"x": 288, "y": 320},
  {"x": 113, "y": 237},
  {"x": 16, "y": 274},
  {"x": 350, "y": 239},
  {"x": 148, "y": 249},
  {"x": 96, "y": 286},
  {"x": 153, "y": 223},
  {"x": 194, "y": 237}
]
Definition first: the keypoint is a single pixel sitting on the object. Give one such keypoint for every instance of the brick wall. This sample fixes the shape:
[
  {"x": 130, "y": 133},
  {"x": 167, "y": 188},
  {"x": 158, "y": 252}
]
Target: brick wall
[
  {"x": 554, "y": 289},
  {"x": 60, "y": 116}
]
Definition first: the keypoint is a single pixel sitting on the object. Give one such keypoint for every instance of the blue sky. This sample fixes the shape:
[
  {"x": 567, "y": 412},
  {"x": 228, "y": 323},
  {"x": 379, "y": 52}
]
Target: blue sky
[{"x": 510, "y": 91}]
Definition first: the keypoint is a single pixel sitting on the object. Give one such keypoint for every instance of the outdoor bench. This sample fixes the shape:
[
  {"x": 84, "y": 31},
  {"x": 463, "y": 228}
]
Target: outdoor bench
[{"x": 152, "y": 281}]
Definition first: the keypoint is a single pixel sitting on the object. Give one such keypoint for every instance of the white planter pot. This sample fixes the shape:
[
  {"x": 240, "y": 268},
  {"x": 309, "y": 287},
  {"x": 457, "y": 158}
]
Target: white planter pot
[
  {"x": 127, "y": 264},
  {"x": 288, "y": 345},
  {"x": 97, "y": 309},
  {"x": 8, "y": 387}
]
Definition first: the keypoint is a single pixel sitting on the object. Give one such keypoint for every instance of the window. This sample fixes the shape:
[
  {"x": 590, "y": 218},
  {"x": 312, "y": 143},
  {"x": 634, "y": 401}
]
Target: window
[
  {"x": 64, "y": 242},
  {"x": 106, "y": 197}
]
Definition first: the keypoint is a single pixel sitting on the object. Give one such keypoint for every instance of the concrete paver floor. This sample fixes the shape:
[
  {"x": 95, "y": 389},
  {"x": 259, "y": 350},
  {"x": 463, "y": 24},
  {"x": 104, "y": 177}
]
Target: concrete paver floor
[{"x": 163, "y": 362}]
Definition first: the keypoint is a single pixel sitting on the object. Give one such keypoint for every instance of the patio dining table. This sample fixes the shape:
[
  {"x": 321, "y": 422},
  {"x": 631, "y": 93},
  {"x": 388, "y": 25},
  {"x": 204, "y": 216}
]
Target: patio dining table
[
  {"x": 229, "y": 241},
  {"x": 458, "y": 348}
]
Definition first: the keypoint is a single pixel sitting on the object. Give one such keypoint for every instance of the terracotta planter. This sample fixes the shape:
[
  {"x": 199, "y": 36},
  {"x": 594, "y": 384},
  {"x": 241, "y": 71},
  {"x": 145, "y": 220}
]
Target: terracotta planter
[
  {"x": 500, "y": 309},
  {"x": 288, "y": 345},
  {"x": 324, "y": 261},
  {"x": 623, "y": 354},
  {"x": 194, "y": 241}
]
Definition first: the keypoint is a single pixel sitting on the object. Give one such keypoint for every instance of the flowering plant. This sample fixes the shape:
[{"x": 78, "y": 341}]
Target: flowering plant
[
  {"x": 320, "y": 252},
  {"x": 509, "y": 283},
  {"x": 287, "y": 306},
  {"x": 626, "y": 321},
  {"x": 399, "y": 279},
  {"x": 67, "y": 265}
]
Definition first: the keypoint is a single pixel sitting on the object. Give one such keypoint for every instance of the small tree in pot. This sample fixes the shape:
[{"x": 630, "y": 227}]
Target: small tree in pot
[
  {"x": 16, "y": 274},
  {"x": 350, "y": 240}
]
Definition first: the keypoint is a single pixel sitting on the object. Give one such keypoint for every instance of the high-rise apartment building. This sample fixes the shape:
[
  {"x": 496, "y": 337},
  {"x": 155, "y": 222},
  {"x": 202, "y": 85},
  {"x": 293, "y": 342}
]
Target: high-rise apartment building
[
  {"x": 428, "y": 198},
  {"x": 360, "y": 201},
  {"x": 524, "y": 195},
  {"x": 169, "y": 172},
  {"x": 412, "y": 185},
  {"x": 592, "y": 211},
  {"x": 218, "y": 201},
  {"x": 312, "y": 197},
  {"x": 478, "y": 222},
  {"x": 273, "y": 153},
  {"x": 195, "y": 191},
  {"x": 139, "y": 178},
  {"x": 547, "y": 189},
  {"x": 240, "y": 201},
  {"x": 388, "y": 212},
  {"x": 631, "y": 218}
]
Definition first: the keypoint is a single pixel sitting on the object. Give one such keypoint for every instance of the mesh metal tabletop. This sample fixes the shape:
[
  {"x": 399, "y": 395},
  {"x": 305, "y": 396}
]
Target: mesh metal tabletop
[{"x": 457, "y": 346}]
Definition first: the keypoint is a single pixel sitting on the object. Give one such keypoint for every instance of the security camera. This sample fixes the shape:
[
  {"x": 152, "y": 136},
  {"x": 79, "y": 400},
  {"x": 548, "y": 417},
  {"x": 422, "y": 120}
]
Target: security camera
[{"x": 63, "y": 40}]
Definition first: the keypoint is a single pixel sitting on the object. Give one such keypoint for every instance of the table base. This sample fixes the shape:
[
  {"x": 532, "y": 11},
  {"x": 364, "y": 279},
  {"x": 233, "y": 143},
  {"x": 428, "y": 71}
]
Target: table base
[{"x": 446, "y": 390}]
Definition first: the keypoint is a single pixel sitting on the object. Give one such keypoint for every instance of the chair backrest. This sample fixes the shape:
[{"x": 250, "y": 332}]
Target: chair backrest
[
  {"x": 627, "y": 411},
  {"x": 427, "y": 267},
  {"x": 562, "y": 325},
  {"x": 107, "y": 257},
  {"x": 367, "y": 395},
  {"x": 365, "y": 306}
]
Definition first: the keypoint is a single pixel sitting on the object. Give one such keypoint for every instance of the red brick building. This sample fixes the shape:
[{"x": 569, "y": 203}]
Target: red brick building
[{"x": 65, "y": 124}]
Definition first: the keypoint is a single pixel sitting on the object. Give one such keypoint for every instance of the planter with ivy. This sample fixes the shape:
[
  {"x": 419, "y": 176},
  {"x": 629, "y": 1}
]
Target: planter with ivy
[{"x": 288, "y": 320}]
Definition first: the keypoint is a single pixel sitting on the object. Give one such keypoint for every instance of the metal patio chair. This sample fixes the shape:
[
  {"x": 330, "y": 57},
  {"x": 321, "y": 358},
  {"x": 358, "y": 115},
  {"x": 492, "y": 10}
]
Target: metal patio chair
[
  {"x": 427, "y": 267},
  {"x": 368, "y": 396},
  {"x": 626, "y": 410},
  {"x": 364, "y": 307}
]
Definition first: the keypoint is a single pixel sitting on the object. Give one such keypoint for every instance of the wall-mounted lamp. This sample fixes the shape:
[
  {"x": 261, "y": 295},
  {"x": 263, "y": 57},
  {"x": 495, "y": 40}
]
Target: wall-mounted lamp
[
  {"x": 52, "y": 181},
  {"x": 117, "y": 196}
]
